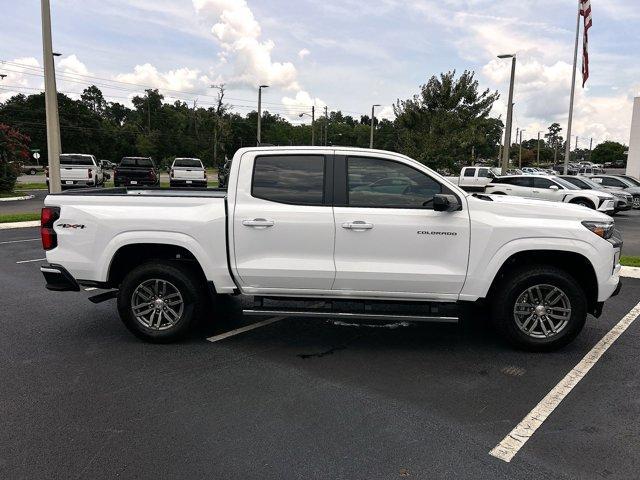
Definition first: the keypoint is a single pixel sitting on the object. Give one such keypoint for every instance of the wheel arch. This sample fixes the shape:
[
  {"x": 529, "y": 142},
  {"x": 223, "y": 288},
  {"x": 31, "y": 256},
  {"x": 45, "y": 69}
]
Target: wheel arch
[
  {"x": 584, "y": 199},
  {"x": 576, "y": 264}
]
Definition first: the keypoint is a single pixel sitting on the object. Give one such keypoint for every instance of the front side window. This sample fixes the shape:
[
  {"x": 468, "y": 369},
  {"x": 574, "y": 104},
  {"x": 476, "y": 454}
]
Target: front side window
[
  {"x": 484, "y": 172},
  {"x": 612, "y": 182},
  {"x": 375, "y": 182},
  {"x": 292, "y": 179},
  {"x": 542, "y": 183},
  {"x": 469, "y": 172}
]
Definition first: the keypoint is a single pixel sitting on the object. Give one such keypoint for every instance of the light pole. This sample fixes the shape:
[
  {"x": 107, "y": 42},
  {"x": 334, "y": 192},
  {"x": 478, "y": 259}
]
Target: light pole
[
  {"x": 260, "y": 111},
  {"x": 507, "y": 135},
  {"x": 373, "y": 107},
  {"x": 215, "y": 124},
  {"x": 51, "y": 101},
  {"x": 313, "y": 121},
  {"x": 520, "y": 150},
  {"x": 326, "y": 124},
  {"x": 538, "y": 152}
]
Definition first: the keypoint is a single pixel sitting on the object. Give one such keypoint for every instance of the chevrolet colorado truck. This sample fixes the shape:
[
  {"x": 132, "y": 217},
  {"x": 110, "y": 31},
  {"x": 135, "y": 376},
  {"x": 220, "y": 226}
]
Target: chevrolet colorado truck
[{"x": 334, "y": 232}]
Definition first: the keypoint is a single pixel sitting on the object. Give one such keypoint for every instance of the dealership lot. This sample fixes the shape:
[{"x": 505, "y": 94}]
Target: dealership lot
[{"x": 296, "y": 398}]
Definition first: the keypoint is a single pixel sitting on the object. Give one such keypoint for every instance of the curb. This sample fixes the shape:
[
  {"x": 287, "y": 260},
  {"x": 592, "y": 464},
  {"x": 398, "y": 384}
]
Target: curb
[
  {"x": 8, "y": 225},
  {"x": 632, "y": 272},
  {"x": 10, "y": 199}
]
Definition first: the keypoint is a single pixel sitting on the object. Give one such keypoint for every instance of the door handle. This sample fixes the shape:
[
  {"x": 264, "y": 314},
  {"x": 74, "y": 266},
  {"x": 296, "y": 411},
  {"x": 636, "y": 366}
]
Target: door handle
[
  {"x": 357, "y": 225},
  {"x": 259, "y": 223}
]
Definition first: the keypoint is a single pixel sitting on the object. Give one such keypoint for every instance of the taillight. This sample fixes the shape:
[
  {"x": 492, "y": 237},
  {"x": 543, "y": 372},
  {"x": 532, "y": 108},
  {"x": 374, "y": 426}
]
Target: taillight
[
  {"x": 48, "y": 216},
  {"x": 90, "y": 173}
]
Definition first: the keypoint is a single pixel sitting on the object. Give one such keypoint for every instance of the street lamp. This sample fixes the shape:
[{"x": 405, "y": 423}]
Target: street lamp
[
  {"x": 520, "y": 150},
  {"x": 313, "y": 121},
  {"x": 373, "y": 107},
  {"x": 260, "y": 110},
  {"x": 51, "y": 100},
  {"x": 507, "y": 134},
  {"x": 538, "y": 153}
]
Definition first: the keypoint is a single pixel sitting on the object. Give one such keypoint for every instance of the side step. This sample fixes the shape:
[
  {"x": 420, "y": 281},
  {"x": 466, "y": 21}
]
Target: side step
[
  {"x": 351, "y": 316},
  {"x": 371, "y": 310}
]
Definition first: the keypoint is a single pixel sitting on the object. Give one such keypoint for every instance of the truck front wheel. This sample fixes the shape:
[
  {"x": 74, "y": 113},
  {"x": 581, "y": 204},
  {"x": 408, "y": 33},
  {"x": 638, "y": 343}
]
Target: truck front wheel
[
  {"x": 159, "y": 301},
  {"x": 539, "y": 308}
]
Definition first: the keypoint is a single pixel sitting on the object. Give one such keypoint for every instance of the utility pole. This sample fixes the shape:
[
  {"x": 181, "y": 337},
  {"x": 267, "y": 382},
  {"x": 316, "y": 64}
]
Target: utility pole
[
  {"x": 576, "y": 147},
  {"x": 538, "y": 152},
  {"x": 326, "y": 124},
  {"x": 520, "y": 150},
  {"x": 148, "y": 114},
  {"x": 216, "y": 123},
  {"x": 51, "y": 101},
  {"x": 507, "y": 135},
  {"x": 590, "y": 147},
  {"x": 313, "y": 123},
  {"x": 260, "y": 112},
  {"x": 373, "y": 107}
]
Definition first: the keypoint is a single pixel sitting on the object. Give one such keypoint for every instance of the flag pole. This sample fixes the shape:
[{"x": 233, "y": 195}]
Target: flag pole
[{"x": 567, "y": 153}]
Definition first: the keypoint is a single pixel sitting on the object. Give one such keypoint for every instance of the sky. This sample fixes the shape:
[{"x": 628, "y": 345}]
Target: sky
[{"x": 346, "y": 54}]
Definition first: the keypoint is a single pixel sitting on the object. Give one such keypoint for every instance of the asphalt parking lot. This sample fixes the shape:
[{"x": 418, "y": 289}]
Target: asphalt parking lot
[{"x": 82, "y": 398}]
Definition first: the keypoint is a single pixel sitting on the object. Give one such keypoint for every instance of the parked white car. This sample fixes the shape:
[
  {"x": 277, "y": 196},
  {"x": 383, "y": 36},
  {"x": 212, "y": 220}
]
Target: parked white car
[
  {"x": 321, "y": 226},
  {"x": 79, "y": 170},
  {"x": 187, "y": 172},
  {"x": 551, "y": 188},
  {"x": 474, "y": 179}
]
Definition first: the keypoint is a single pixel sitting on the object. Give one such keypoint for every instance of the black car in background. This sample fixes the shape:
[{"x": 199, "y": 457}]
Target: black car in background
[{"x": 136, "y": 171}]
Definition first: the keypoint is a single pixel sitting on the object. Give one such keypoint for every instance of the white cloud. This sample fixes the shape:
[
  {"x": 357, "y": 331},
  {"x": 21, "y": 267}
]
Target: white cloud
[
  {"x": 181, "y": 79},
  {"x": 302, "y": 102},
  {"x": 386, "y": 113},
  {"x": 16, "y": 76},
  {"x": 72, "y": 64},
  {"x": 239, "y": 34},
  {"x": 303, "y": 53}
]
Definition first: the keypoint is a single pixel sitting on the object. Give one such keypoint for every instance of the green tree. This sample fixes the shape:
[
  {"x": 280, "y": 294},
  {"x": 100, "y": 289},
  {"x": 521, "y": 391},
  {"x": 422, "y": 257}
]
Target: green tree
[
  {"x": 609, "y": 151},
  {"x": 440, "y": 125}
]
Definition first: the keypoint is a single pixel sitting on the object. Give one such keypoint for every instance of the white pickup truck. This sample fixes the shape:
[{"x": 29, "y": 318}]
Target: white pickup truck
[
  {"x": 372, "y": 234},
  {"x": 187, "y": 172},
  {"x": 79, "y": 170}
]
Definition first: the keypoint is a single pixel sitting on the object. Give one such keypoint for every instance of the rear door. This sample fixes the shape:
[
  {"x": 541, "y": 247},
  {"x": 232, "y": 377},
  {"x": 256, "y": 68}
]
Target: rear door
[
  {"x": 283, "y": 226},
  {"x": 389, "y": 241}
]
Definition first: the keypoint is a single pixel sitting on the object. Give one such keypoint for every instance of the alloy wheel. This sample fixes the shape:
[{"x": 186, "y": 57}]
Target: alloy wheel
[
  {"x": 157, "y": 304},
  {"x": 542, "y": 311}
]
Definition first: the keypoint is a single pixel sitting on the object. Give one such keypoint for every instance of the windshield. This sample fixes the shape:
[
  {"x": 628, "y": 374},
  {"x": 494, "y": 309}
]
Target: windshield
[
  {"x": 565, "y": 184},
  {"x": 632, "y": 180},
  {"x": 187, "y": 162},
  {"x": 84, "y": 160}
]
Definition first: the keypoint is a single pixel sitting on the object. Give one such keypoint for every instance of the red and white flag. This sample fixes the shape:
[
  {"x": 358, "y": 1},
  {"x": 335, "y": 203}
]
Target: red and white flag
[{"x": 585, "y": 11}]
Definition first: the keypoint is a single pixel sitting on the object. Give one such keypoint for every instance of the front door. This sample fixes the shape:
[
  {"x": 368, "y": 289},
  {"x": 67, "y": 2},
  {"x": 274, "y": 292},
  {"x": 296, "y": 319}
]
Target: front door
[
  {"x": 546, "y": 189},
  {"x": 283, "y": 222},
  {"x": 389, "y": 240}
]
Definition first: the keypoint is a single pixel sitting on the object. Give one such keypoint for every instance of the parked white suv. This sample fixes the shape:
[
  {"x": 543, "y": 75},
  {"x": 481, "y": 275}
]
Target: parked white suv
[
  {"x": 551, "y": 188},
  {"x": 187, "y": 172},
  {"x": 319, "y": 232}
]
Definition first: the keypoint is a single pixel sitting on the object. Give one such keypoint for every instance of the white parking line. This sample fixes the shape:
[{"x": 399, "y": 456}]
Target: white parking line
[
  {"x": 18, "y": 241},
  {"x": 28, "y": 261},
  {"x": 515, "y": 440},
  {"x": 253, "y": 326}
]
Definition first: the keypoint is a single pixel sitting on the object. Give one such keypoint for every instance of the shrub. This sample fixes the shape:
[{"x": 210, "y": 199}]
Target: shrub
[{"x": 13, "y": 150}]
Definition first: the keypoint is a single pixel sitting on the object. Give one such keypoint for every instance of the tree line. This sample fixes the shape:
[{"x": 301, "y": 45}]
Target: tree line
[{"x": 445, "y": 125}]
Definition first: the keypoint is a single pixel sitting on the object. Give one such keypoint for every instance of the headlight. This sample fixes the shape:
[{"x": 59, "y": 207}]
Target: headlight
[{"x": 602, "y": 229}]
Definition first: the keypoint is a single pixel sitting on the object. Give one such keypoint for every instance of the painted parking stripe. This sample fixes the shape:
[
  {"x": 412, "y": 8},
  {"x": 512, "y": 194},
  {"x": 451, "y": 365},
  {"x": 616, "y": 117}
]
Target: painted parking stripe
[
  {"x": 29, "y": 261},
  {"x": 515, "y": 440},
  {"x": 10, "y": 225},
  {"x": 18, "y": 241},
  {"x": 237, "y": 331}
]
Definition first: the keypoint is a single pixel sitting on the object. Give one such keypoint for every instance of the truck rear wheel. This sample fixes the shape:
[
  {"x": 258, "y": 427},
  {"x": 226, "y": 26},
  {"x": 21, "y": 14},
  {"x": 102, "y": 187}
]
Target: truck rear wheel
[
  {"x": 539, "y": 308},
  {"x": 160, "y": 301}
]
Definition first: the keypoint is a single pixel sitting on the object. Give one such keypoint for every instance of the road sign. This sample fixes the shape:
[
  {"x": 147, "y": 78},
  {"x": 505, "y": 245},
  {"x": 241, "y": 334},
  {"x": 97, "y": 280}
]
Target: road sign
[{"x": 36, "y": 155}]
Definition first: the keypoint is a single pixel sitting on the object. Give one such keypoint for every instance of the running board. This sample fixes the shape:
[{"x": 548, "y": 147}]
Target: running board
[{"x": 351, "y": 316}]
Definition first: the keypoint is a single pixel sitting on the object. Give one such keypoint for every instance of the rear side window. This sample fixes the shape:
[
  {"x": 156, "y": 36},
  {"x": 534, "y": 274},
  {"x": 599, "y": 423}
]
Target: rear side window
[
  {"x": 78, "y": 160},
  {"x": 522, "y": 181},
  {"x": 293, "y": 179}
]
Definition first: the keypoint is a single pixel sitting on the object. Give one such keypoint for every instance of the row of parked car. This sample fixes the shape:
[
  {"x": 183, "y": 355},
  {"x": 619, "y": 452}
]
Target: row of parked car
[
  {"x": 607, "y": 193},
  {"x": 83, "y": 170}
]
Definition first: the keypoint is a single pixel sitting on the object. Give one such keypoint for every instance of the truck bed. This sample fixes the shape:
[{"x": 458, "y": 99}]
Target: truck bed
[{"x": 149, "y": 191}]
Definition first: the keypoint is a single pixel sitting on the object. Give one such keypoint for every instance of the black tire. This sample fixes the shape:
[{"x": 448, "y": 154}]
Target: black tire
[
  {"x": 584, "y": 202},
  {"x": 513, "y": 287},
  {"x": 179, "y": 276},
  {"x": 636, "y": 201},
  {"x": 32, "y": 171}
]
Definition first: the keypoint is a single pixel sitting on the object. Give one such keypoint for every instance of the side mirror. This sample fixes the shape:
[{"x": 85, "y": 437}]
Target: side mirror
[
  {"x": 443, "y": 202},
  {"x": 555, "y": 188}
]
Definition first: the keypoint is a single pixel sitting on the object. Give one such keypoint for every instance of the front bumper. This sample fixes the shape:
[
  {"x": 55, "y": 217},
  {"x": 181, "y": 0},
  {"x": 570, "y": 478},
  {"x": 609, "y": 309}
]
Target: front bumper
[
  {"x": 59, "y": 279},
  {"x": 607, "y": 206}
]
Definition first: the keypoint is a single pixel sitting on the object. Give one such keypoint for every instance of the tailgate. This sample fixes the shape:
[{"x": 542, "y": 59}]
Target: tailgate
[
  {"x": 134, "y": 173},
  {"x": 188, "y": 174},
  {"x": 76, "y": 172}
]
